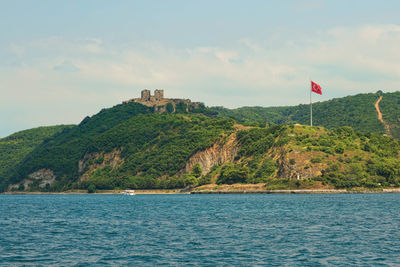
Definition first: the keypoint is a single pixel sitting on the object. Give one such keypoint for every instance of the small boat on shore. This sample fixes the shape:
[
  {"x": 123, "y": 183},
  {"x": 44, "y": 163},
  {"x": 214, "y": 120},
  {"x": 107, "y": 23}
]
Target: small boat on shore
[{"x": 129, "y": 192}]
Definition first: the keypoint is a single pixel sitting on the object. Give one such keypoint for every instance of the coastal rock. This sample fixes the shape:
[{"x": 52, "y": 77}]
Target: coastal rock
[
  {"x": 45, "y": 176},
  {"x": 223, "y": 151},
  {"x": 301, "y": 167},
  {"x": 42, "y": 176},
  {"x": 98, "y": 160},
  {"x": 25, "y": 183}
]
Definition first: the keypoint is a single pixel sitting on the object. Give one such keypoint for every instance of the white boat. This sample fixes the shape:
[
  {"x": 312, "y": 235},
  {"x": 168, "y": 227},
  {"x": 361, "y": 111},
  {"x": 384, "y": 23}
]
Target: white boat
[{"x": 129, "y": 192}]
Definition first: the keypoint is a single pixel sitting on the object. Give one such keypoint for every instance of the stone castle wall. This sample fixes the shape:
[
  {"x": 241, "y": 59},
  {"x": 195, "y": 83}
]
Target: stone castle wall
[{"x": 159, "y": 102}]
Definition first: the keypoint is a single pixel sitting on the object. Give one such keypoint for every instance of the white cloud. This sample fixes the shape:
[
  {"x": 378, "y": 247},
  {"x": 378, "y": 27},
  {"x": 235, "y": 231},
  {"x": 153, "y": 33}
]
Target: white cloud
[
  {"x": 92, "y": 74},
  {"x": 66, "y": 66}
]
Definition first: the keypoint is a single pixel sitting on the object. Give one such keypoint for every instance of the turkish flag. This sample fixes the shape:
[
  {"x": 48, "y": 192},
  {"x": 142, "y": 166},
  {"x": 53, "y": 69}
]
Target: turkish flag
[{"x": 316, "y": 88}]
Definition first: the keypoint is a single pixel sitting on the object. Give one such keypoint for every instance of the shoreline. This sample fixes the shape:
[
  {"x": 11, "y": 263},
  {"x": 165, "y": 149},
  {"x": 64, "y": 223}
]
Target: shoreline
[
  {"x": 101, "y": 192},
  {"x": 300, "y": 191},
  {"x": 215, "y": 192}
]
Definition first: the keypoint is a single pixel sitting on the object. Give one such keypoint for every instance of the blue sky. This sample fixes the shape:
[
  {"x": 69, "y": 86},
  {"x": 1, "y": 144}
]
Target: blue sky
[{"x": 63, "y": 60}]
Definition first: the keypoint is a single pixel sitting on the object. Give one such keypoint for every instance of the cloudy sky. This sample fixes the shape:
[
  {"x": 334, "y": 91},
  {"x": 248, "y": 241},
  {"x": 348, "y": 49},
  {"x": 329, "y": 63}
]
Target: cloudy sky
[{"x": 63, "y": 60}]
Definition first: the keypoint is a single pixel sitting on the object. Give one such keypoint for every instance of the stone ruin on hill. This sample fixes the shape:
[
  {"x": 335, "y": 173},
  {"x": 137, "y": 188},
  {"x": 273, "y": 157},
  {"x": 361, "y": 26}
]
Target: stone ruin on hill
[{"x": 160, "y": 103}]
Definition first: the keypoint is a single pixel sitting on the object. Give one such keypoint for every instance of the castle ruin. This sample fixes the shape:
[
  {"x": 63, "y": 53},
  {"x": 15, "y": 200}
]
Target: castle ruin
[{"x": 160, "y": 103}]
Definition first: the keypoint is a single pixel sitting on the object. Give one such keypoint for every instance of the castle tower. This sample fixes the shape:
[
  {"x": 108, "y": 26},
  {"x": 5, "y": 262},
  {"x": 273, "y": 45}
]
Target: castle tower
[
  {"x": 145, "y": 95},
  {"x": 158, "y": 94}
]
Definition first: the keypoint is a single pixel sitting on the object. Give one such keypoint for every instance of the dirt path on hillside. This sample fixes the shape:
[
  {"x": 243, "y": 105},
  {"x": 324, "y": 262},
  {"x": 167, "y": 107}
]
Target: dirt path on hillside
[
  {"x": 385, "y": 125},
  {"x": 239, "y": 127}
]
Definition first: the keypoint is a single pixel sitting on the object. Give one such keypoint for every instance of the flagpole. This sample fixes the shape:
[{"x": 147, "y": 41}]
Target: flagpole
[{"x": 310, "y": 105}]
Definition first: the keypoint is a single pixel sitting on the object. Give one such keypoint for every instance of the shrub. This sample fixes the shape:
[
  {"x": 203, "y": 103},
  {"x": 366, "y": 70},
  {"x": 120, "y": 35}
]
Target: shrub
[
  {"x": 316, "y": 160},
  {"x": 99, "y": 160},
  {"x": 181, "y": 107},
  {"x": 91, "y": 188},
  {"x": 205, "y": 180},
  {"x": 266, "y": 170},
  {"x": 190, "y": 181},
  {"x": 339, "y": 149},
  {"x": 196, "y": 171},
  {"x": 169, "y": 108},
  {"x": 231, "y": 174},
  {"x": 21, "y": 187},
  {"x": 348, "y": 160}
]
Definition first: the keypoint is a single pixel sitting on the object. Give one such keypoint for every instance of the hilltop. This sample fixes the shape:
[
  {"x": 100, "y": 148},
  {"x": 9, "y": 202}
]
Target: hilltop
[
  {"x": 356, "y": 111},
  {"x": 132, "y": 145}
]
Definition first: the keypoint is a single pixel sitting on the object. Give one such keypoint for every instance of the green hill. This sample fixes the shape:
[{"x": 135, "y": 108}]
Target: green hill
[
  {"x": 14, "y": 148},
  {"x": 130, "y": 146},
  {"x": 186, "y": 150},
  {"x": 125, "y": 128},
  {"x": 390, "y": 108},
  {"x": 62, "y": 152},
  {"x": 357, "y": 111}
]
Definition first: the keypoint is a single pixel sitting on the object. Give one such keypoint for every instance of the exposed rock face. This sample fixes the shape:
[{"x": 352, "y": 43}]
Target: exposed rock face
[
  {"x": 45, "y": 176},
  {"x": 25, "y": 182},
  {"x": 98, "y": 160},
  {"x": 219, "y": 153},
  {"x": 301, "y": 168}
]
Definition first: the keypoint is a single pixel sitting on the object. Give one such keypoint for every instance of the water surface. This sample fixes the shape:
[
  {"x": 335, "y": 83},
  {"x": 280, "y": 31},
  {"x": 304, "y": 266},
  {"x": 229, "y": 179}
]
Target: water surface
[{"x": 96, "y": 230}]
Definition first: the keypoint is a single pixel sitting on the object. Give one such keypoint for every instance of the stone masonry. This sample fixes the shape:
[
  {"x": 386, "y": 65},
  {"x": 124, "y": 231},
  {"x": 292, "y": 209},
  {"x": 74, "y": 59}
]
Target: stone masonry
[{"x": 160, "y": 103}]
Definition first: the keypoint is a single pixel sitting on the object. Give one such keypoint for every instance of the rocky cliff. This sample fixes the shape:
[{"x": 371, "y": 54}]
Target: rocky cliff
[{"x": 220, "y": 153}]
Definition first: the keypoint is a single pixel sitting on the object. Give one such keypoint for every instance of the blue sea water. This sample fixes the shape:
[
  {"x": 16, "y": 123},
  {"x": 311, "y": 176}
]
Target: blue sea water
[{"x": 205, "y": 230}]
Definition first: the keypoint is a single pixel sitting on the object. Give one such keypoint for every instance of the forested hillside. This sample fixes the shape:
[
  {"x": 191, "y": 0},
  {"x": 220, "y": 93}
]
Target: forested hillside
[
  {"x": 390, "y": 108},
  {"x": 62, "y": 152},
  {"x": 130, "y": 146},
  {"x": 122, "y": 129},
  {"x": 153, "y": 151},
  {"x": 14, "y": 148},
  {"x": 357, "y": 111}
]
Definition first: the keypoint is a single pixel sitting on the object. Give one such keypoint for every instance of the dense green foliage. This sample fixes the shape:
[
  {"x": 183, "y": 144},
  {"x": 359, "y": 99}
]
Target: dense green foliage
[
  {"x": 390, "y": 108},
  {"x": 169, "y": 108},
  {"x": 130, "y": 146},
  {"x": 150, "y": 145},
  {"x": 254, "y": 147},
  {"x": 357, "y": 111},
  {"x": 232, "y": 174},
  {"x": 155, "y": 145},
  {"x": 14, "y": 148},
  {"x": 346, "y": 158},
  {"x": 258, "y": 141},
  {"x": 62, "y": 152},
  {"x": 354, "y": 159}
]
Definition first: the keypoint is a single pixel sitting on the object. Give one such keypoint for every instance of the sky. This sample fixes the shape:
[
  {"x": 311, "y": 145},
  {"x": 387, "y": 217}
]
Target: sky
[{"x": 63, "y": 60}]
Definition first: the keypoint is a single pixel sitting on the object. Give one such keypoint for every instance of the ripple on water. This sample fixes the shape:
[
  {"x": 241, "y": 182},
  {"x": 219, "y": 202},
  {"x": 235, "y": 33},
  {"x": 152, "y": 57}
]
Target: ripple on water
[{"x": 200, "y": 230}]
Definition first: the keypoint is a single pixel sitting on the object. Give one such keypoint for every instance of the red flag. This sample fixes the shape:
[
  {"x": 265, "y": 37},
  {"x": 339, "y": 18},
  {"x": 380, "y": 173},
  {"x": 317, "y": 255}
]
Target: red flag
[{"x": 316, "y": 88}]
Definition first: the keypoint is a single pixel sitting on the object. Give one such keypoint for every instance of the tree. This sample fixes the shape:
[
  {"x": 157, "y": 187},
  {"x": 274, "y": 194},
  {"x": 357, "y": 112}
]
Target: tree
[
  {"x": 170, "y": 108},
  {"x": 339, "y": 148},
  {"x": 197, "y": 171},
  {"x": 190, "y": 180},
  {"x": 91, "y": 188},
  {"x": 181, "y": 107},
  {"x": 231, "y": 174},
  {"x": 267, "y": 169}
]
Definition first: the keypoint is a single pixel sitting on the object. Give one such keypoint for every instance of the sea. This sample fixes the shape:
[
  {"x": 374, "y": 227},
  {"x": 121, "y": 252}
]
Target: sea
[{"x": 200, "y": 230}]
